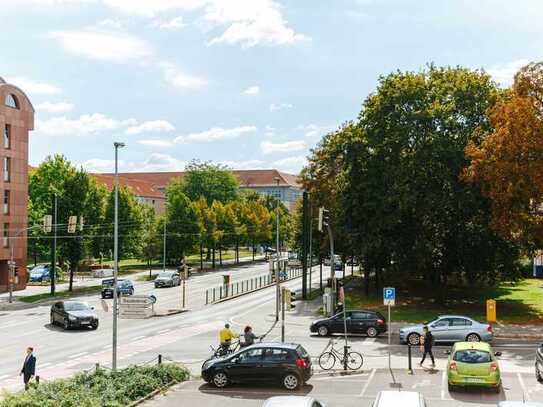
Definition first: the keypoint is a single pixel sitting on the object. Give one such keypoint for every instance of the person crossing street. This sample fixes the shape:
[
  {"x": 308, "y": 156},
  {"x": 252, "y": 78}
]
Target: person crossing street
[
  {"x": 29, "y": 367},
  {"x": 427, "y": 342}
]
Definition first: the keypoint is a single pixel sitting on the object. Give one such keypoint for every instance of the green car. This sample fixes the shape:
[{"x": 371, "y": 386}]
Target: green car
[{"x": 473, "y": 364}]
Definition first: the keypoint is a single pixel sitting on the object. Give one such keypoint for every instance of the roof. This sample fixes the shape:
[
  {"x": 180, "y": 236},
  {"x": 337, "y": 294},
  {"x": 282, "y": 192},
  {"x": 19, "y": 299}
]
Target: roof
[
  {"x": 247, "y": 178},
  {"x": 275, "y": 345},
  {"x": 472, "y": 345},
  {"x": 138, "y": 187},
  {"x": 288, "y": 401},
  {"x": 399, "y": 398},
  {"x": 16, "y": 88}
]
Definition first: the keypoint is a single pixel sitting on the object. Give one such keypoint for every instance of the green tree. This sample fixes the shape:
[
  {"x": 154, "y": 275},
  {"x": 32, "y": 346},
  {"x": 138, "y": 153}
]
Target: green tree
[
  {"x": 214, "y": 182},
  {"x": 151, "y": 240},
  {"x": 208, "y": 233}
]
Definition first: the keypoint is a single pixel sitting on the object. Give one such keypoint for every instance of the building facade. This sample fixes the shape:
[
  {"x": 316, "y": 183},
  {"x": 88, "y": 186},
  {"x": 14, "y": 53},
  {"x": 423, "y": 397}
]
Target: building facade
[
  {"x": 267, "y": 182},
  {"x": 16, "y": 120}
]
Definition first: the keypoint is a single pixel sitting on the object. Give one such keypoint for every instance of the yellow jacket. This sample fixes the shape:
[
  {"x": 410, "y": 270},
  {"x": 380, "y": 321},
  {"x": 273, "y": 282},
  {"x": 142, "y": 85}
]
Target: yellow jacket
[{"x": 226, "y": 335}]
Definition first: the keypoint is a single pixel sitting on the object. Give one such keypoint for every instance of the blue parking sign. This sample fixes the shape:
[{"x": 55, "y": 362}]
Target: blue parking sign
[{"x": 389, "y": 295}]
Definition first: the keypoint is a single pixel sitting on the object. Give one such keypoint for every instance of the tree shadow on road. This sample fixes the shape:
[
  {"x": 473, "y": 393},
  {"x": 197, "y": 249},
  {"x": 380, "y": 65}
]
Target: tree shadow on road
[{"x": 253, "y": 392}]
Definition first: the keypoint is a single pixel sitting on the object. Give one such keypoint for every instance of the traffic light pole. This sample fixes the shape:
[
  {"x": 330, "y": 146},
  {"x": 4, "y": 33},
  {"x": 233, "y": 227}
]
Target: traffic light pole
[
  {"x": 283, "y": 305},
  {"x": 52, "y": 272}
]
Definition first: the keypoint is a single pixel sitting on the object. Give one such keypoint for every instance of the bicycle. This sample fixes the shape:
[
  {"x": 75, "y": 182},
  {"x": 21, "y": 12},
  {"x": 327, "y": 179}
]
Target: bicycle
[
  {"x": 327, "y": 360},
  {"x": 221, "y": 351}
]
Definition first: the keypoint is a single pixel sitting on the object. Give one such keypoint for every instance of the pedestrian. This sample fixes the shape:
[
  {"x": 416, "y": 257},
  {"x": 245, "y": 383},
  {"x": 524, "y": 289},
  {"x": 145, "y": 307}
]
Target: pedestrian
[
  {"x": 29, "y": 366},
  {"x": 249, "y": 336},
  {"x": 427, "y": 341}
]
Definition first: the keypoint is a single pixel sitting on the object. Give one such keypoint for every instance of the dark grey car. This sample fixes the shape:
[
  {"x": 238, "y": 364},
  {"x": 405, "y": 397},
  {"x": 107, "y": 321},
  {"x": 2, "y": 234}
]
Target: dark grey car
[
  {"x": 167, "y": 279},
  {"x": 449, "y": 328},
  {"x": 74, "y": 314}
]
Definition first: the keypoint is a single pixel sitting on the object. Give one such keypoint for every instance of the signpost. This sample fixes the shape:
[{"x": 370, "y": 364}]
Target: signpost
[
  {"x": 136, "y": 307},
  {"x": 389, "y": 299}
]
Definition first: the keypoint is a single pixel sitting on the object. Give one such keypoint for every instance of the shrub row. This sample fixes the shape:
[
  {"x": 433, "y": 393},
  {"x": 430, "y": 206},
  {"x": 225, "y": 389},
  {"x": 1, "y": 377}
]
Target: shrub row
[{"x": 98, "y": 389}]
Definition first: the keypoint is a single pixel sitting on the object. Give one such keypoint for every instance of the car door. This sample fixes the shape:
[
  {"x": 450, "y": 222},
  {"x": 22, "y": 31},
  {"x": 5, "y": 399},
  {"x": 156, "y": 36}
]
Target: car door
[
  {"x": 458, "y": 329},
  {"x": 246, "y": 366},
  {"x": 440, "y": 329},
  {"x": 359, "y": 322},
  {"x": 58, "y": 312},
  {"x": 336, "y": 322},
  {"x": 275, "y": 364}
]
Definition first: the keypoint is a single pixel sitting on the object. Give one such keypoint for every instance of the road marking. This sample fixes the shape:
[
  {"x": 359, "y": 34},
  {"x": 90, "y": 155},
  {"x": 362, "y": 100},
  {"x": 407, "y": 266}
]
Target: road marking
[
  {"x": 524, "y": 390},
  {"x": 443, "y": 383},
  {"x": 43, "y": 365},
  {"x": 367, "y": 383},
  {"x": 137, "y": 338},
  {"x": 355, "y": 376},
  {"x": 77, "y": 355},
  {"x": 3, "y": 377},
  {"x": 368, "y": 341},
  {"x": 164, "y": 331}
]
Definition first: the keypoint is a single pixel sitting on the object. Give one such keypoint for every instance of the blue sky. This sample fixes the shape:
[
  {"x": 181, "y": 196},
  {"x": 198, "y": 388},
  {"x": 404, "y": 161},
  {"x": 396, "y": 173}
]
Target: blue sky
[{"x": 248, "y": 83}]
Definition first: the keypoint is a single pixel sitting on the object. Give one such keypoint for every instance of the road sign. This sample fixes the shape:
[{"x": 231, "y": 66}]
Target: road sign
[
  {"x": 389, "y": 295},
  {"x": 136, "y": 307}
]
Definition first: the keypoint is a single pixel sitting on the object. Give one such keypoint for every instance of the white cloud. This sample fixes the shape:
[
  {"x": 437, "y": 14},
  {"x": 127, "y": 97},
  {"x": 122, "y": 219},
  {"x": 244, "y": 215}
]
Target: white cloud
[
  {"x": 252, "y": 90},
  {"x": 245, "y": 165},
  {"x": 32, "y": 87},
  {"x": 151, "y": 8},
  {"x": 86, "y": 124},
  {"x": 174, "y": 76},
  {"x": 270, "y": 148},
  {"x": 117, "y": 47},
  {"x": 276, "y": 107},
  {"x": 160, "y": 162},
  {"x": 175, "y": 24},
  {"x": 505, "y": 73},
  {"x": 155, "y": 143},
  {"x": 100, "y": 165},
  {"x": 111, "y": 23},
  {"x": 52, "y": 107},
  {"x": 150, "y": 126},
  {"x": 293, "y": 164},
  {"x": 216, "y": 134}
]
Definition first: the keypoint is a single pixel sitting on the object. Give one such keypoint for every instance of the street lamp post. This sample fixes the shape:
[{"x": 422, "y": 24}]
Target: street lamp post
[
  {"x": 277, "y": 278},
  {"x": 117, "y": 145}
]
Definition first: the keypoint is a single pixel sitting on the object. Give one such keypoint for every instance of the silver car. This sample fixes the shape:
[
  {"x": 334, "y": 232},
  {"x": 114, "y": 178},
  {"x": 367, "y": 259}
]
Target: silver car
[
  {"x": 519, "y": 404},
  {"x": 449, "y": 328},
  {"x": 167, "y": 279},
  {"x": 292, "y": 401}
]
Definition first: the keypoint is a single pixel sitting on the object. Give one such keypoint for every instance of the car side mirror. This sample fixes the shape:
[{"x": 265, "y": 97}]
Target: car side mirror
[{"x": 497, "y": 354}]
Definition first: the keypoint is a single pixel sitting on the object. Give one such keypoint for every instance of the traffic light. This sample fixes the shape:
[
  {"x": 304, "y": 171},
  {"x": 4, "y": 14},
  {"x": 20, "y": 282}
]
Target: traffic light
[
  {"x": 323, "y": 219},
  {"x": 47, "y": 223},
  {"x": 72, "y": 223},
  {"x": 81, "y": 223},
  {"x": 290, "y": 299}
]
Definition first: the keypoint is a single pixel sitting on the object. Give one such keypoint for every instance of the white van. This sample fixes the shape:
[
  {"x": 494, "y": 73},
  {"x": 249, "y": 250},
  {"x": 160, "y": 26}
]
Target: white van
[{"x": 393, "y": 398}]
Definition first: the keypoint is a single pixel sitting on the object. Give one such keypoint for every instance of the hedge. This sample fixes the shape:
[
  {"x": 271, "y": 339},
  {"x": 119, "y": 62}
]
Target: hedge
[{"x": 98, "y": 389}]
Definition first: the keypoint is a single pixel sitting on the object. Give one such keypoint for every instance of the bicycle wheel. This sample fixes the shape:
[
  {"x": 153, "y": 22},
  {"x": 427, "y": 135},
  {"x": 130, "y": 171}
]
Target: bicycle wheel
[
  {"x": 327, "y": 360},
  {"x": 354, "y": 360}
]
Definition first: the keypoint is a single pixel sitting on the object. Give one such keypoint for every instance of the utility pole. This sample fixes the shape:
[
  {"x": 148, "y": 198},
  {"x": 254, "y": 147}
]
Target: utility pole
[
  {"x": 310, "y": 246},
  {"x": 305, "y": 243},
  {"x": 277, "y": 256},
  {"x": 52, "y": 272},
  {"x": 283, "y": 305},
  {"x": 164, "y": 246},
  {"x": 117, "y": 145}
]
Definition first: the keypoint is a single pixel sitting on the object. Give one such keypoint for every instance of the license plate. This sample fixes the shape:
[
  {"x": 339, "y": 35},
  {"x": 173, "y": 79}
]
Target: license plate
[
  {"x": 85, "y": 322},
  {"x": 473, "y": 380}
]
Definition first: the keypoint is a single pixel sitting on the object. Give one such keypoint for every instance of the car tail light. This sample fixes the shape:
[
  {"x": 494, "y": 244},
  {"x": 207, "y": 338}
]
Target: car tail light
[
  {"x": 493, "y": 366},
  {"x": 380, "y": 322},
  {"x": 489, "y": 329},
  {"x": 452, "y": 366},
  {"x": 301, "y": 363}
]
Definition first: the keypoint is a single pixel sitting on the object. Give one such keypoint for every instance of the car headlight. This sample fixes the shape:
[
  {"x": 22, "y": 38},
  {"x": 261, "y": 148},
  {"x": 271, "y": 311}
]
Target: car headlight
[{"x": 72, "y": 318}]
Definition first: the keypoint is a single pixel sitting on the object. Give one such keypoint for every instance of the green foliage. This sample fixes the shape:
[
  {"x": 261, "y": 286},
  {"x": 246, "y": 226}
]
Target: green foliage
[
  {"x": 214, "y": 182},
  {"x": 99, "y": 389}
]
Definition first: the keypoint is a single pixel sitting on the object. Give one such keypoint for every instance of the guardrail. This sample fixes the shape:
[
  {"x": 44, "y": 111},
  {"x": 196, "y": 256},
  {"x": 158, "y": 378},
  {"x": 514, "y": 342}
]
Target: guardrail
[{"x": 234, "y": 289}]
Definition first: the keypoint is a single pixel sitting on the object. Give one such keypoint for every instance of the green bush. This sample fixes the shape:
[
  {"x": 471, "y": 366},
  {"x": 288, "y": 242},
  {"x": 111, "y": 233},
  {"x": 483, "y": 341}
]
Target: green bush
[{"x": 98, "y": 389}]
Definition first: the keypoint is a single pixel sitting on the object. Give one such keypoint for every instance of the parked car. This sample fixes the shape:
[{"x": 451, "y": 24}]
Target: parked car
[
  {"x": 167, "y": 279},
  {"x": 124, "y": 287},
  {"x": 285, "y": 363},
  {"x": 102, "y": 272},
  {"x": 519, "y": 404},
  {"x": 391, "y": 398},
  {"x": 292, "y": 401},
  {"x": 473, "y": 364},
  {"x": 370, "y": 323},
  {"x": 40, "y": 273},
  {"x": 74, "y": 314},
  {"x": 539, "y": 363},
  {"x": 449, "y": 328}
]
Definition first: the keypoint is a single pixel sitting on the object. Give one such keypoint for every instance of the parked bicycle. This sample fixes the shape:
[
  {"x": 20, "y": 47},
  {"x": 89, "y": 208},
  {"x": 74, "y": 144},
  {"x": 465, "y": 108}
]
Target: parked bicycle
[
  {"x": 328, "y": 359},
  {"x": 222, "y": 351}
]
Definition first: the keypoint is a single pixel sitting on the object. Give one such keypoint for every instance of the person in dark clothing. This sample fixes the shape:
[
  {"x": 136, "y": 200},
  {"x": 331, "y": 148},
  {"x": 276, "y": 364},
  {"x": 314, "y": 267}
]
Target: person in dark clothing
[
  {"x": 427, "y": 341},
  {"x": 249, "y": 337},
  {"x": 29, "y": 366}
]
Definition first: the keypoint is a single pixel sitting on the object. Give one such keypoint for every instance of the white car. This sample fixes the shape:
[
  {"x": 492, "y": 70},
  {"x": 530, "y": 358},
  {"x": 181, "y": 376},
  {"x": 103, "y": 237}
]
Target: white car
[
  {"x": 292, "y": 401},
  {"x": 105, "y": 272},
  {"x": 391, "y": 398}
]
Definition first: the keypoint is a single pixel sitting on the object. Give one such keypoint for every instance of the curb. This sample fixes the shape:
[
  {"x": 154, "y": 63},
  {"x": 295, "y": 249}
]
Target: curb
[
  {"x": 153, "y": 393},
  {"x": 169, "y": 312}
]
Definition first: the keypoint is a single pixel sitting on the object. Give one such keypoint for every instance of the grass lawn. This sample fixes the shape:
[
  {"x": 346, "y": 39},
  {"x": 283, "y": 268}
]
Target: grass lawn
[
  {"x": 61, "y": 294},
  {"x": 519, "y": 303}
]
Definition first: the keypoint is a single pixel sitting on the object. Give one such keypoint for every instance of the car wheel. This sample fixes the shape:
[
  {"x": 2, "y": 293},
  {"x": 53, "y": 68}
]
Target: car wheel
[
  {"x": 451, "y": 388},
  {"x": 94, "y": 326},
  {"x": 66, "y": 324},
  {"x": 413, "y": 339},
  {"x": 291, "y": 381},
  {"x": 53, "y": 323},
  {"x": 372, "y": 332},
  {"x": 323, "y": 330},
  {"x": 538, "y": 373},
  {"x": 473, "y": 338},
  {"x": 131, "y": 292},
  {"x": 220, "y": 380},
  {"x": 497, "y": 389}
]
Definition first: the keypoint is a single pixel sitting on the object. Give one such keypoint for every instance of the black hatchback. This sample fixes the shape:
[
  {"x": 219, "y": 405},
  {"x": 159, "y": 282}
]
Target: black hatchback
[
  {"x": 370, "y": 323},
  {"x": 286, "y": 363}
]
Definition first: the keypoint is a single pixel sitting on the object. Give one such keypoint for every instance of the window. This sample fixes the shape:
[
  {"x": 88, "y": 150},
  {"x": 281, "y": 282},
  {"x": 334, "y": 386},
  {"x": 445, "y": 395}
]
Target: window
[
  {"x": 7, "y": 136},
  {"x": 276, "y": 355},
  {"x": 11, "y": 101},
  {"x": 5, "y": 239},
  {"x": 460, "y": 322},
  {"x": 441, "y": 323},
  {"x": 7, "y": 165},
  {"x": 472, "y": 356},
  {"x": 362, "y": 315},
  {"x": 252, "y": 355},
  {"x": 6, "y": 202}
]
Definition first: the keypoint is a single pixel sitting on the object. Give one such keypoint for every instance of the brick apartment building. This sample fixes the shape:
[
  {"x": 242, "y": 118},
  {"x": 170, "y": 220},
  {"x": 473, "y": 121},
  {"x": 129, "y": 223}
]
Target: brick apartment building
[
  {"x": 16, "y": 119},
  {"x": 150, "y": 187}
]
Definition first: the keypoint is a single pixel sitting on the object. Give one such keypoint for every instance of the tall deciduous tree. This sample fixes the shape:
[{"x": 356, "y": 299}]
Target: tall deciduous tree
[{"x": 214, "y": 182}]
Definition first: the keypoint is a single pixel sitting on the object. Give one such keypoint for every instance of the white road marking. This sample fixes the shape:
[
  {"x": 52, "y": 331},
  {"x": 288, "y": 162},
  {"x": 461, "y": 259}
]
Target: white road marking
[
  {"x": 368, "y": 341},
  {"x": 443, "y": 384},
  {"x": 164, "y": 331},
  {"x": 137, "y": 338},
  {"x": 353, "y": 377},
  {"x": 43, "y": 365},
  {"x": 78, "y": 355},
  {"x": 4, "y": 376},
  {"x": 523, "y": 386},
  {"x": 367, "y": 383}
]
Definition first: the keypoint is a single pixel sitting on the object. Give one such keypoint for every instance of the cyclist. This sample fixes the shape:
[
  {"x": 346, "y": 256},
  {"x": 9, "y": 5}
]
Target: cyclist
[
  {"x": 249, "y": 337},
  {"x": 225, "y": 337}
]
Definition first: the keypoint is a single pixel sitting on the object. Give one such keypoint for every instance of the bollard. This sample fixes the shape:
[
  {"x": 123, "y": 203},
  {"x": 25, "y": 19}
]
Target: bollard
[
  {"x": 97, "y": 366},
  {"x": 207, "y": 296},
  {"x": 237, "y": 287},
  {"x": 37, "y": 379},
  {"x": 213, "y": 294},
  {"x": 159, "y": 359},
  {"x": 220, "y": 292},
  {"x": 260, "y": 281},
  {"x": 410, "y": 368}
]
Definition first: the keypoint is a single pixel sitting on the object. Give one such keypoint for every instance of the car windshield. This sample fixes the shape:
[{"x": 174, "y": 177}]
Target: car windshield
[
  {"x": 109, "y": 283},
  {"x": 75, "y": 306},
  {"x": 38, "y": 272},
  {"x": 472, "y": 356},
  {"x": 165, "y": 275}
]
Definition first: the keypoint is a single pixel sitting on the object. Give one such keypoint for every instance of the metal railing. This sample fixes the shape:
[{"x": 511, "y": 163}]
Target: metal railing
[{"x": 216, "y": 294}]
